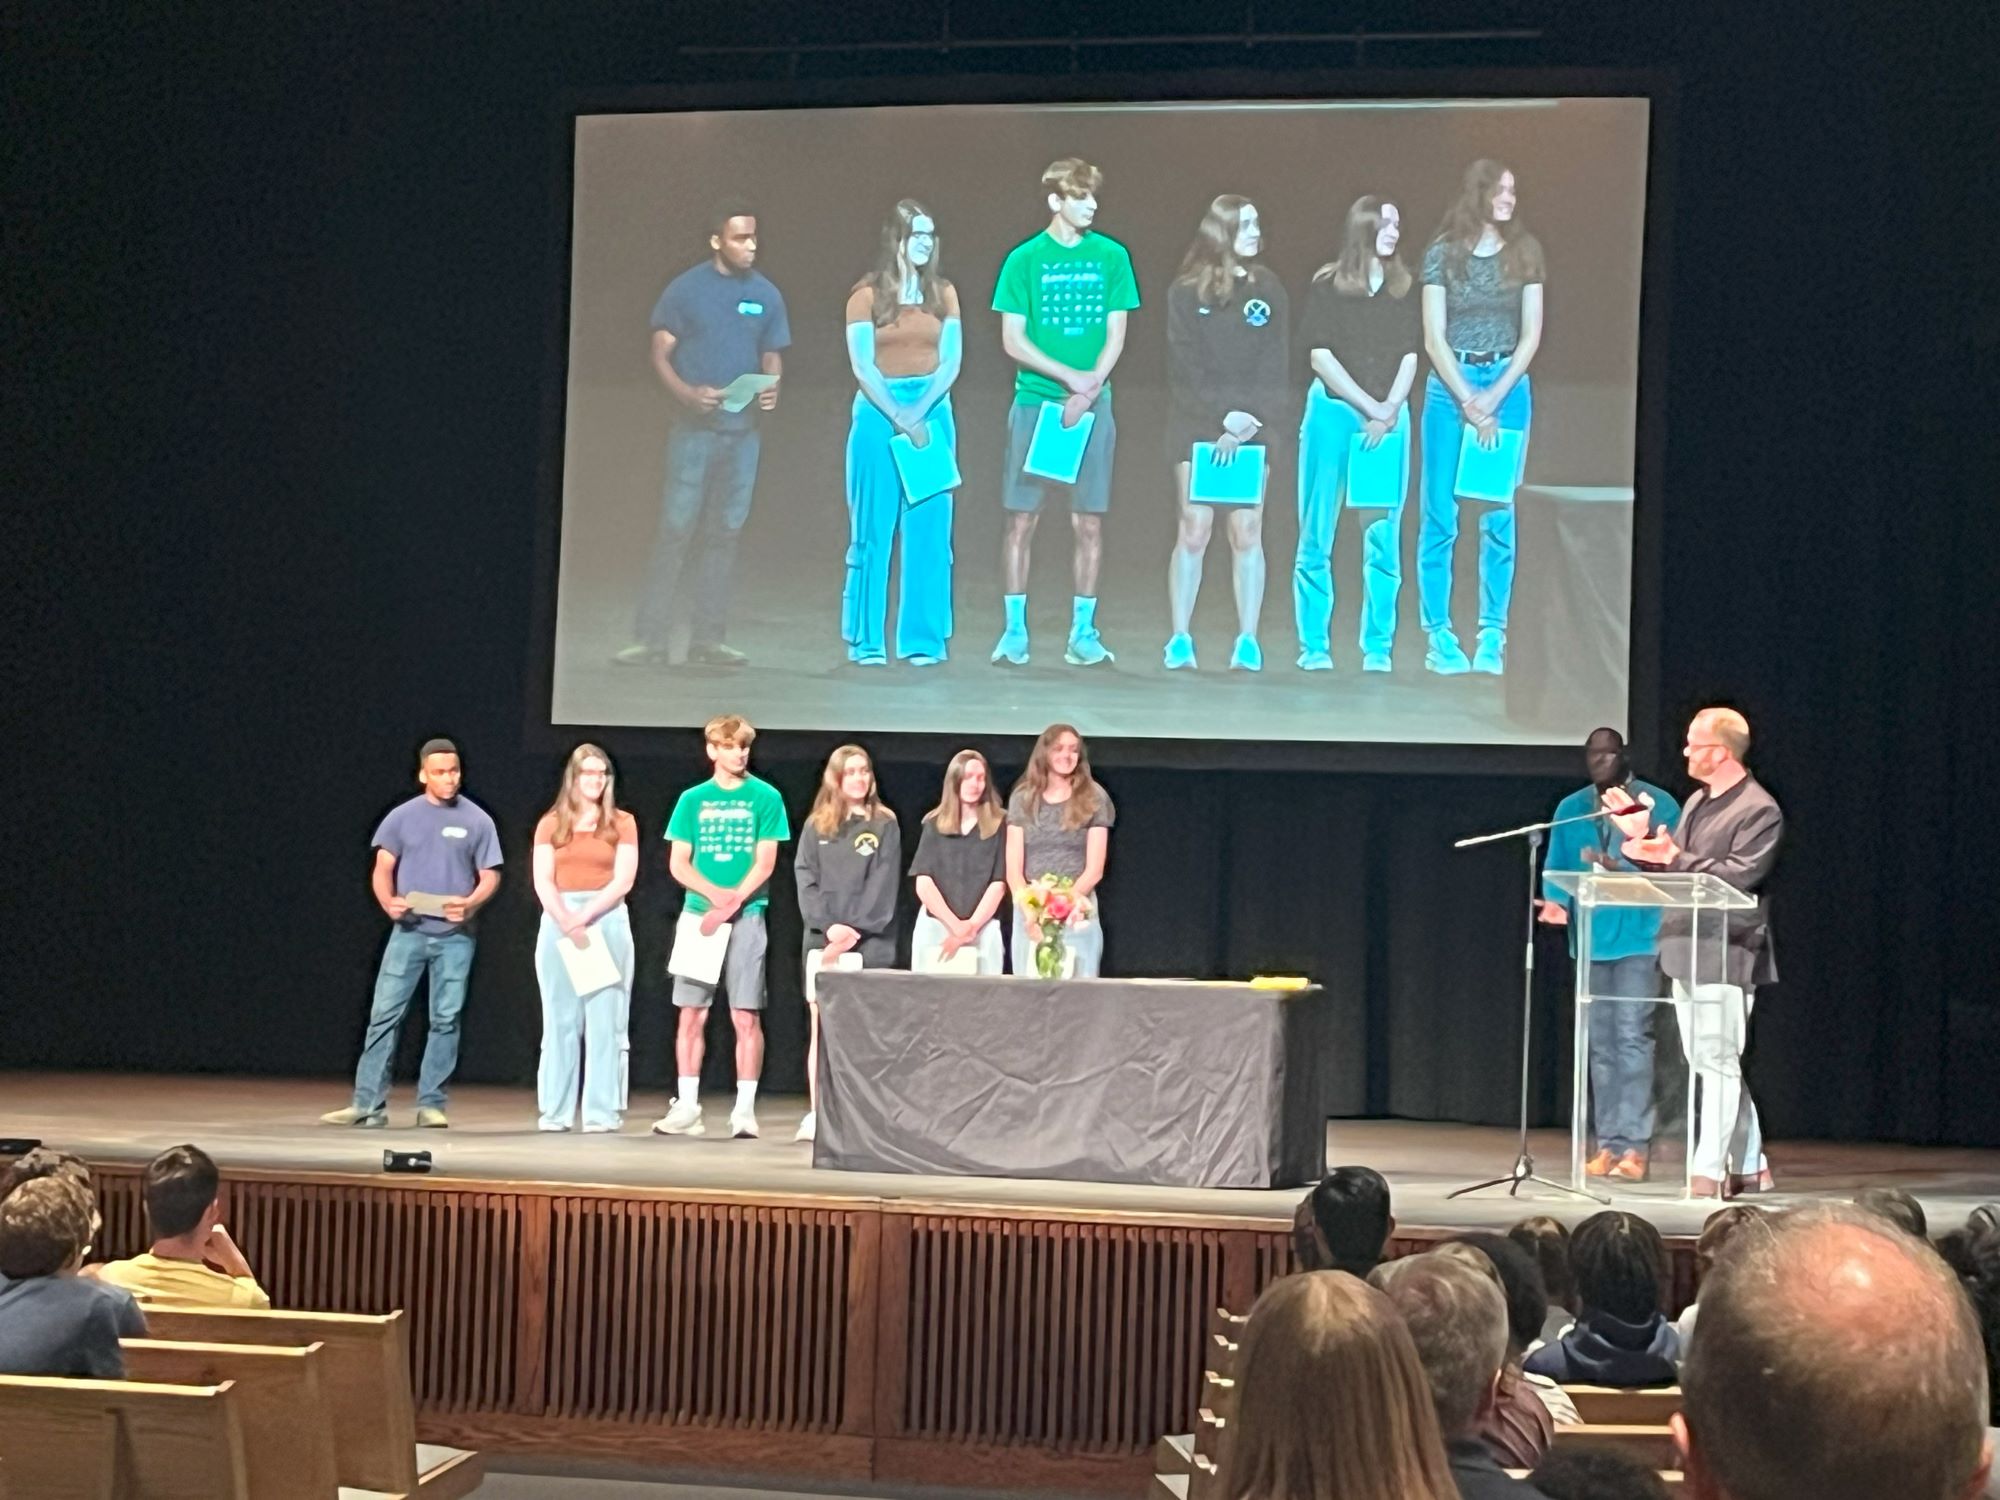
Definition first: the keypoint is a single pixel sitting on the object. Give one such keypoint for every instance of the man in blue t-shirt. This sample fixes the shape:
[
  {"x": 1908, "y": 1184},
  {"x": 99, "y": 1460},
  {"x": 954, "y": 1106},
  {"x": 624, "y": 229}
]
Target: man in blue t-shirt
[
  {"x": 715, "y": 322},
  {"x": 1624, "y": 956},
  {"x": 437, "y": 861}
]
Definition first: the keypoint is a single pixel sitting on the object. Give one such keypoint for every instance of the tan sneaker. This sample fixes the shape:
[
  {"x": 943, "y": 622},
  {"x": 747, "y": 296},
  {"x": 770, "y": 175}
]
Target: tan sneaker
[
  {"x": 1631, "y": 1168},
  {"x": 352, "y": 1116},
  {"x": 432, "y": 1119},
  {"x": 1599, "y": 1165}
]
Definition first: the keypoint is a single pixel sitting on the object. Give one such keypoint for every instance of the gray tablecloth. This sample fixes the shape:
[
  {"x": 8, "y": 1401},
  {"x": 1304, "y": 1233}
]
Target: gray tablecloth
[{"x": 1089, "y": 1080}]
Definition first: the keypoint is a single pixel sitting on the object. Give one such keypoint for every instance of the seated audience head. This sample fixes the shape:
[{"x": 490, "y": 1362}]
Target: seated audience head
[
  {"x": 1897, "y": 1206},
  {"x": 1978, "y": 1268},
  {"x": 1458, "y": 1322},
  {"x": 1838, "y": 1359},
  {"x": 1547, "y": 1239},
  {"x": 44, "y": 1161},
  {"x": 46, "y": 1227},
  {"x": 1715, "y": 1232},
  {"x": 1595, "y": 1472},
  {"x": 181, "y": 1189},
  {"x": 1344, "y": 1222},
  {"x": 1520, "y": 1284},
  {"x": 1619, "y": 1262},
  {"x": 1331, "y": 1403}
]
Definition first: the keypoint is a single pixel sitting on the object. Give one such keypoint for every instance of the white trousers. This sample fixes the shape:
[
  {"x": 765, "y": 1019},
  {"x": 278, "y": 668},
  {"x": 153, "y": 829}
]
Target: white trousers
[
  {"x": 928, "y": 933},
  {"x": 1714, "y": 1023}
]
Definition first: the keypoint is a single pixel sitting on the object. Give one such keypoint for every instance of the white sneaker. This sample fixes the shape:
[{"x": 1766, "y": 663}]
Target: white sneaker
[
  {"x": 743, "y": 1123},
  {"x": 808, "y": 1128},
  {"x": 683, "y": 1117},
  {"x": 554, "y": 1127}
]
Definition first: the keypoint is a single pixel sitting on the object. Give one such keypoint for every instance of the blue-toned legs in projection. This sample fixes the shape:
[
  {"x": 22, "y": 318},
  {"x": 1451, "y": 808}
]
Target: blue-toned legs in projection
[
  {"x": 1324, "y": 439},
  {"x": 878, "y": 508},
  {"x": 1437, "y": 533}
]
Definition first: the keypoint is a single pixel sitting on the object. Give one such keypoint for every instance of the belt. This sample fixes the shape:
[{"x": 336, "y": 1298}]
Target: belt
[{"x": 1467, "y": 357}]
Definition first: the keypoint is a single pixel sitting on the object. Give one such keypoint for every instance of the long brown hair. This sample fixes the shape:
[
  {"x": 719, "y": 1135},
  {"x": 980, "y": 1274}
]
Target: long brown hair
[
  {"x": 829, "y": 809},
  {"x": 1467, "y": 219},
  {"x": 1211, "y": 261},
  {"x": 1331, "y": 1401},
  {"x": 1349, "y": 272},
  {"x": 885, "y": 282},
  {"x": 946, "y": 816},
  {"x": 1084, "y": 793},
  {"x": 564, "y": 810}
]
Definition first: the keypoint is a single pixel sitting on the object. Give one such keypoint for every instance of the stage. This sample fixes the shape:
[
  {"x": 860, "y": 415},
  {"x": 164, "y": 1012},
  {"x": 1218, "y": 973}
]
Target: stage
[{"x": 718, "y": 1305}]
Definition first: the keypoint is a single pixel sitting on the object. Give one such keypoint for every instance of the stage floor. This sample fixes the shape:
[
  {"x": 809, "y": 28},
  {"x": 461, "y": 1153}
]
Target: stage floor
[{"x": 271, "y": 1125}]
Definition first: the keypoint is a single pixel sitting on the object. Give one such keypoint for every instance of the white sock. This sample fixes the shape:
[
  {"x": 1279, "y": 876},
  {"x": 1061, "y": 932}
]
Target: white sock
[
  {"x": 1017, "y": 610},
  {"x": 1083, "y": 614},
  {"x": 746, "y": 1093},
  {"x": 690, "y": 1091}
]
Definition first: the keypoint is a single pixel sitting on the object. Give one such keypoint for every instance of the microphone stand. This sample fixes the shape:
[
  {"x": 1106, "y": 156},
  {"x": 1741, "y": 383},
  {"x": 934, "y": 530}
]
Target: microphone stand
[{"x": 1524, "y": 1161}]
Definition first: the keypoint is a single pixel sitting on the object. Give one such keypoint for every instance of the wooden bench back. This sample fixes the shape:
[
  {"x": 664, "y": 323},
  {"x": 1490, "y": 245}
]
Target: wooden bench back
[
  {"x": 99, "y": 1439},
  {"x": 288, "y": 1448}
]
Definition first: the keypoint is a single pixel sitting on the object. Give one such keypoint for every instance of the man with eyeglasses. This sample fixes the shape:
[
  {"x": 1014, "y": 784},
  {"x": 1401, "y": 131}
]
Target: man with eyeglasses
[{"x": 1730, "y": 828}]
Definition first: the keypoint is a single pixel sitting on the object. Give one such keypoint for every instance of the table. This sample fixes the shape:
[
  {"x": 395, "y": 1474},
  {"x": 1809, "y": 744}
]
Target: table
[{"x": 1169, "y": 1082}]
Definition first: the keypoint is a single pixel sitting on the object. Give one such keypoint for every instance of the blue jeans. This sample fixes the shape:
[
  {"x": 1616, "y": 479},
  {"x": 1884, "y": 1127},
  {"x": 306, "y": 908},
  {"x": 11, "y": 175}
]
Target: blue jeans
[
  {"x": 409, "y": 956},
  {"x": 877, "y": 509},
  {"x": 1437, "y": 534},
  {"x": 593, "y": 1026},
  {"x": 706, "y": 500},
  {"x": 1621, "y": 1052},
  {"x": 1324, "y": 435}
]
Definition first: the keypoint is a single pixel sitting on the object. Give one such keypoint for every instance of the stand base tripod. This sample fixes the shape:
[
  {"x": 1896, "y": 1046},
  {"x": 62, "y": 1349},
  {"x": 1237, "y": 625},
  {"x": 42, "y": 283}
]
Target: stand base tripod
[{"x": 1524, "y": 1172}]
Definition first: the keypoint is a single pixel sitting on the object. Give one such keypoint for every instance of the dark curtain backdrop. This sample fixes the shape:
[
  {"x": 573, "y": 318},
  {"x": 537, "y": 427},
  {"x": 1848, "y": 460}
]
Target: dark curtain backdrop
[{"x": 278, "y": 281}]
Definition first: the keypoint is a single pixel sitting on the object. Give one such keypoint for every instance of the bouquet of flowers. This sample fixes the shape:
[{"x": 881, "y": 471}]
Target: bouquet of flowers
[{"x": 1051, "y": 902}]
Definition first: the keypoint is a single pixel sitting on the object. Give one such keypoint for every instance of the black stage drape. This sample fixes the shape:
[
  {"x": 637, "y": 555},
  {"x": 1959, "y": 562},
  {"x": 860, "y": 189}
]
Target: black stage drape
[{"x": 279, "y": 281}]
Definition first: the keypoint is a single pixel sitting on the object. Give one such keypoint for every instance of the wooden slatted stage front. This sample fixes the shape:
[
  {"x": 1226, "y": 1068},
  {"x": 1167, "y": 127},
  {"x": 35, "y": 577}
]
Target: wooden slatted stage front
[{"x": 718, "y": 1305}]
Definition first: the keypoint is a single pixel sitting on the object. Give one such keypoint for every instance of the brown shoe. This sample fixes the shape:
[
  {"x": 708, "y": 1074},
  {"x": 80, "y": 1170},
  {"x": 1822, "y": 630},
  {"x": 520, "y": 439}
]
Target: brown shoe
[
  {"x": 1631, "y": 1168},
  {"x": 1761, "y": 1182},
  {"x": 1599, "y": 1164}
]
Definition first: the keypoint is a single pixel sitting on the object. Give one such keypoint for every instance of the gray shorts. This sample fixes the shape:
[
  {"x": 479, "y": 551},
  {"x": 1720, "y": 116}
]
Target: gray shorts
[
  {"x": 1091, "y": 494},
  {"x": 742, "y": 970}
]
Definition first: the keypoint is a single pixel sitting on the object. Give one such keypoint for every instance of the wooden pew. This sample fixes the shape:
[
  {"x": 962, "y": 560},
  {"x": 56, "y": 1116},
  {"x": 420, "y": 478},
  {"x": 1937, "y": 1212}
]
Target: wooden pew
[
  {"x": 364, "y": 1370},
  {"x": 98, "y": 1439},
  {"x": 1603, "y": 1403},
  {"x": 288, "y": 1449}
]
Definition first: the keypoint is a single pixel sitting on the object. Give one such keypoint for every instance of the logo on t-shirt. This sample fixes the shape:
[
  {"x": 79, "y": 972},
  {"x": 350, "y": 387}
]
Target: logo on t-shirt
[
  {"x": 454, "y": 832},
  {"x": 1256, "y": 312},
  {"x": 750, "y": 309},
  {"x": 866, "y": 843}
]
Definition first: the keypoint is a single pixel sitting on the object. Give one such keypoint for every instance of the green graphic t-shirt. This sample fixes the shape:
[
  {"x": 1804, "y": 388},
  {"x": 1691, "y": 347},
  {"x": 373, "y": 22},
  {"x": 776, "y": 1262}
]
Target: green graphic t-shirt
[
  {"x": 724, "y": 829},
  {"x": 1066, "y": 292}
]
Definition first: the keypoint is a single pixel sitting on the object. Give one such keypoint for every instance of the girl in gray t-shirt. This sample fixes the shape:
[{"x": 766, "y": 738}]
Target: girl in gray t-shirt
[{"x": 1059, "y": 823}]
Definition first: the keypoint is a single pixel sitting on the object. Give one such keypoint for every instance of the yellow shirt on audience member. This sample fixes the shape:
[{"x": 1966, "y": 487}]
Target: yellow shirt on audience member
[{"x": 167, "y": 1282}]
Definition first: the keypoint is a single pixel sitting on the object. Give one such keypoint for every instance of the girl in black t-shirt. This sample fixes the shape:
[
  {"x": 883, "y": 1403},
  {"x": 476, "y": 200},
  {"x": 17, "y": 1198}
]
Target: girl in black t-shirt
[{"x": 1228, "y": 330}]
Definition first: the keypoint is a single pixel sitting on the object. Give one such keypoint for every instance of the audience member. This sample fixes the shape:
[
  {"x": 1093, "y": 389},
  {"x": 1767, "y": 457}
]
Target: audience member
[
  {"x": 1344, "y": 1222},
  {"x": 1715, "y": 1233},
  {"x": 1527, "y": 1407},
  {"x": 1978, "y": 1266},
  {"x": 1620, "y": 1338},
  {"x": 193, "y": 1260},
  {"x": 1458, "y": 1322},
  {"x": 1897, "y": 1206},
  {"x": 53, "y": 1321},
  {"x": 1331, "y": 1403},
  {"x": 44, "y": 1161},
  {"x": 1838, "y": 1360},
  {"x": 1547, "y": 1239},
  {"x": 1587, "y": 1472}
]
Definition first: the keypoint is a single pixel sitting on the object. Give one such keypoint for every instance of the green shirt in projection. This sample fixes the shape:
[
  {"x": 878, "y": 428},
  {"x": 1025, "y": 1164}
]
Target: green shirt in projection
[
  {"x": 724, "y": 827},
  {"x": 1066, "y": 292}
]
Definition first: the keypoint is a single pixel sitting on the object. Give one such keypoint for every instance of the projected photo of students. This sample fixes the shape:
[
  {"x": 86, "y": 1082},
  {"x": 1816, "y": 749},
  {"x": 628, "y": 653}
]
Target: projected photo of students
[
  {"x": 1228, "y": 344},
  {"x": 905, "y": 344},
  {"x": 717, "y": 321},
  {"x": 1062, "y": 297},
  {"x": 1360, "y": 333},
  {"x": 1482, "y": 277}
]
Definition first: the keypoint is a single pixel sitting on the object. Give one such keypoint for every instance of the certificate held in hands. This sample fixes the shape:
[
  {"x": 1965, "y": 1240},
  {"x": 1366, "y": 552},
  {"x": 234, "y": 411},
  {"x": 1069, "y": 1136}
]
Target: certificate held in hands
[
  {"x": 698, "y": 956},
  {"x": 1491, "y": 474},
  {"x": 1238, "y": 482},
  {"x": 926, "y": 471},
  {"x": 1056, "y": 451},
  {"x": 589, "y": 969}
]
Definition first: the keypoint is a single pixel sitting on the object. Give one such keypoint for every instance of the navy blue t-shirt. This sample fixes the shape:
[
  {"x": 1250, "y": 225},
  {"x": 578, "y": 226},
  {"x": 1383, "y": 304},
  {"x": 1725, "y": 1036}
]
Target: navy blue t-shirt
[
  {"x": 440, "y": 848},
  {"x": 722, "y": 325},
  {"x": 66, "y": 1326}
]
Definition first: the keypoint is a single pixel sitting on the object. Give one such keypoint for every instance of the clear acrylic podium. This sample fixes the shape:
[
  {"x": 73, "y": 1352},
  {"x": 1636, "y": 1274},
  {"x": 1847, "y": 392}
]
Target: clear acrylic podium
[{"x": 1699, "y": 939}]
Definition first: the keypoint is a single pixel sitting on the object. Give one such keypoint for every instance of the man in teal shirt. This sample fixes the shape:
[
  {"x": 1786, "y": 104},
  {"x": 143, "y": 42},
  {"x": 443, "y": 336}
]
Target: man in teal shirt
[
  {"x": 1062, "y": 299},
  {"x": 725, "y": 835},
  {"x": 1624, "y": 957}
]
